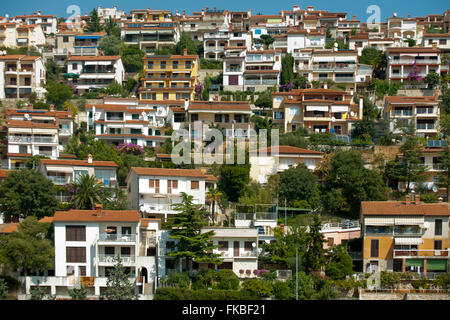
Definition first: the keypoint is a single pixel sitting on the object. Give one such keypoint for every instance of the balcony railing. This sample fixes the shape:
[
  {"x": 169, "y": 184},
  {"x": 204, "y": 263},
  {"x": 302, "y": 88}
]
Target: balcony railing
[
  {"x": 44, "y": 139},
  {"x": 411, "y": 61},
  {"x": 59, "y": 180},
  {"x": 233, "y": 69},
  {"x": 231, "y": 254},
  {"x": 111, "y": 258},
  {"x": 19, "y": 139},
  {"x": 425, "y": 126},
  {"x": 344, "y": 79},
  {"x": 108, "y": 237},
  {"x": 266, "y": 216},
  {"x": 420, "y": 253}
]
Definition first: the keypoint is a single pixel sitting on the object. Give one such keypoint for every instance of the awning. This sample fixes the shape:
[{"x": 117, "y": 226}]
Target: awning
[
  {"x": 22, "y": 40},
  {"x": 323, "y": 59},
  {"x": 104, "y": 63},
  {"x": 379, "y": 221},
  {"x": 316, "y": 108},
  {"x": 408, "y": 221},
  {"x": 414, "y": 263},
  {"x": 60, "y": 169},
  {"x": 412, "y": 241},
  {"x": 345, "y": 59},
  {"x": 339, "y": 108},
  {"x": 91, "y": 63},
  {"x": 436, "y": 265}
]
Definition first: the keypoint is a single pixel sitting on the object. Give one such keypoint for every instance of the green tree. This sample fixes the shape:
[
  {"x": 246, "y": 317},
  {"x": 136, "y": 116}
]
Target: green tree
[
  {"x": 305, "y": 286},
  {"x": 185, "y": 227},
  {"x": 58, "y": 92},
  {"x": 340, "y": 264},
  {"x": 27, "y": 193},
  {"x": 213, "y": 195},
  {"x": 432, "y": 79},
  {"x": 110, "y": 45},
  {"x": 38, "y": 293},
  {"x": 93, "y": 23},
  {"x": 300, "y": 82},
  {"x": 118, "y": 286},
  {"x": 185, "y": 42},
  {"x": 314, "y": 258},
  {"x": 364, "y": 130},
  {"x": 87, "y": 192},
  {"x": 258, "y": 287},
  {"x": 410, "y": 164},
  {"x": 78, "y": 293},
  {"x": 281, "y": 290},
  {"x": 266, "y": 40},
  {"x": 3, "y": 289},
  {"x": 264, "y": 100},
  {"x": 377, "y": 59},
  {"x": 27, "y": 249},
  {"x": 227, "y": 280},
  {"x": 132, "y": 58},
  {"x": 287, "y": 69},
  {"x": 111, "y": 28},
  {"x": 52, "y": 70},
  {"x": 114, "y": 89},
  {"x": 411, "y": 42},
  {"x": 33, "y": 162},
  {"x": 233, "y": 179},
  {"x": 348, "y": 183},
  {"x": 444, "y": 180},
  {"x": 299, "y": 183},
  {"x": 113, "y": 198}
]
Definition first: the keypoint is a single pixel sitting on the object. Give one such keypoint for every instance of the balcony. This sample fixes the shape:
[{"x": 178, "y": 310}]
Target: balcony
[
  {"x": 19, "y": 139},
  {"x": 411, "y": 61},
  {"x": 344, "y": 79},
  {"x": 241, "y": 254},
  {"x": 65, "y": 132},
  {"x": 426, "y": 126},
  {"x": 44, "y": 139},
  {"x": 233, "y": 70},
  {"x": 266, "y": 216},
  {"x": 420, "y": 253},
  {"x": 108, "y": 237},
  {"x": 59, "y": 180},
  {"x": 111, "y": 259},
  {"x": 404, "y": 113}
]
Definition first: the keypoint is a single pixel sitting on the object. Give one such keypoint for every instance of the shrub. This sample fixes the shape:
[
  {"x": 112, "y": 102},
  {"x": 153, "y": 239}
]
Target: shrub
[
  {"x": 186, "y": 294},
  {"x": 442, "y": 280},
  {"x": 281, "y": 290},
  {"x": 227, "y": 280},
  {"x": 421, "y": 283},
  {"x": 258, "y": 287},
  {"x": 204, "y": 279},
  {"x": 3, "y": 289},
  {"x": 428, "y": 198},
  {"x": 177, "y": 279},
  {"x": 389, "y": 279}
]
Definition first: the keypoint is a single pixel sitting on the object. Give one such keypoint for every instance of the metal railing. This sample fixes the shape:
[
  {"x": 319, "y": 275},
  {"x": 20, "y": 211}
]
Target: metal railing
[
  {"x": 266, "y": 216},
  {"x": 233, "y": 69},
  {"x": 19, "y": 139},
  {"x": 231, "y": 254},
  {"x": 420, "y": 253},
  {"x": 411, "y": 61},
  {"x": 339, "y": 225},
  {"x": 425, "y": 126},
  {"x": 59, "y": 180},
  {"x": 111, "y": 258},
  {"x": 106, "y": 237},
  {"x": 44, "y": 139},
  {"x": 344, "y": 79}
]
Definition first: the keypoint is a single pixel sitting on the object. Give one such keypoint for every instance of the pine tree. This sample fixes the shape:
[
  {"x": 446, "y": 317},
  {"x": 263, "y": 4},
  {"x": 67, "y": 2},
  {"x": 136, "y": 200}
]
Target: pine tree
[
  {"x": 314, "y": 258},
  {"x": 185, "y": 227},
  {"x": 93, "y": 24},
  {"x": 118, "y": 287},
  {"x": 444, "y": 181},
  {"x": 79, "y": 293}
]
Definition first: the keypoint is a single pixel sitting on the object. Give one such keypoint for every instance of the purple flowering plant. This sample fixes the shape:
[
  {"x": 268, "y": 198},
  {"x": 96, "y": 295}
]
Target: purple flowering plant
[{"x": 130, "y": 148}]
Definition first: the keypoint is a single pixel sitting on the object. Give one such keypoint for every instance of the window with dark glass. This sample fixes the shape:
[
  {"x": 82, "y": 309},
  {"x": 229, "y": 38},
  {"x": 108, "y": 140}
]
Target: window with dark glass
[
  {"x": 438, "y": 227},
  {"x": 75, "y": 254},
  {"x": 374, "y": 248},
  {"x": 223, "y": 245},
  {"x": 75, "y": 233}
]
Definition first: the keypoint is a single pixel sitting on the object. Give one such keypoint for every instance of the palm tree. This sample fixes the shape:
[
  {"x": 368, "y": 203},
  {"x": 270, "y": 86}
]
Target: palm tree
[
  {"x": 87, "y": 192},
  {"x": 213, "y": 195}
]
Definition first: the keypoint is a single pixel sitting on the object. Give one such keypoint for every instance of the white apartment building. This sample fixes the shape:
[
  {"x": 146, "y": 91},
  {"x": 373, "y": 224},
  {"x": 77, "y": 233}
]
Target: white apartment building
[
  {"x": 401, "y": 62},
  {"x": 129, "y": 120},
  {"x": 14, "y": 35},
  {"x": 304, "y": 39},
  {"x": 48, "y": 23},
  {"x": 400, "y": 28},
  {"x": 153, "y": 191},
  {"x": 95, "y": 72},
  {"x": 113, "y": 13},
  {"x": 201, "y": 23},
  {"x": 86, "y": 244},
  {"x": 238, "y": 247},
  {"x": 214, "y": 43},
  {"x": 423, "y": 112},
  {"x": 20, "y": 76},
  {"x": 441, "y": 40},
  {"x": 36, "y": 132},
  {"x": 76, "y": 43},
  {"x": 270, "y": 161}
]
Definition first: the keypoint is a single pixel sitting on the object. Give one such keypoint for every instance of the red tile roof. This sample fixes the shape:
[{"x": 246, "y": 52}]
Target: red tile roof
[
  {"x": 219, "y": 105},
  {"x": 8, "y": 227},
  {"x": 289, "y": 150},
  {"x": 83, "y": 163},
  {"x": 97, "y": 216},
  {"x": 94, "y": 58},
  {"x": 191, "y": 173},
  {"x": 392, "y": 208}
]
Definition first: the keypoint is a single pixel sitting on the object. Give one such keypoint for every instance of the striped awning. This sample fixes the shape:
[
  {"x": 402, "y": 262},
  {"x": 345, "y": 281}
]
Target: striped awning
[
  {"x": 408, "y": 221},
  {"x": 316, "y": 108},
  {"x": 415, "y": 241},
  {"x": 381, "y": 221}
]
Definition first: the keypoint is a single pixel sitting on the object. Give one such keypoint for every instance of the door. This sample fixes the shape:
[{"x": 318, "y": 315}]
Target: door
[{"x": 236, "y": 248}]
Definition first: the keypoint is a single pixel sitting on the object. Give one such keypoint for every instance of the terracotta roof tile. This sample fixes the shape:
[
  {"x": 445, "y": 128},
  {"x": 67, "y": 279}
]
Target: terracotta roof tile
[
  {"x": 83, "y": 163},
  {"x": 191, "y": 173},
  {"x": 289, "y": 150},
  {"x": 97, "y": 216},
  {"x": 392, "y": 208},
  {"x": 219, "y": 105},
  {"x": 8, "y": 227},
  {"x": 94, "y": 58}
]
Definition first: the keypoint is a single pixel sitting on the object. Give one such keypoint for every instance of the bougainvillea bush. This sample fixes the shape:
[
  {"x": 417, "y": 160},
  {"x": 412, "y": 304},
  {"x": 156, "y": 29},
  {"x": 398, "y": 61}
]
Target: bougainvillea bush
[{"x": 130, "y": 148}]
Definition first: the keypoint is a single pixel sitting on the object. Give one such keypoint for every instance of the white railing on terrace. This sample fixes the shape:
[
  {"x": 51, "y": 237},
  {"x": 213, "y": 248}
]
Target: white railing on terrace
[
  {"x": 344, "y": 79},
  {"x": 339, "y": 225},
  {"x": 107, "y": 258},
  {"x": 411, "y": 61},
  {"x": 230, "y": 254},
  {"x": 421, "y": 253},
  {"x": 59, "y": 180},
  {"x": 108, "y": 237}
]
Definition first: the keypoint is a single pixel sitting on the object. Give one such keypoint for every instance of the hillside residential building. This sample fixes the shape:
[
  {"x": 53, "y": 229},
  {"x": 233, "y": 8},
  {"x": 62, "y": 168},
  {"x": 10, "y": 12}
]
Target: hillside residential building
[
  {"x": 86, "y": 244},
  {"x": 400, "y": 28},
  {"x": 76, "y": 43},
  {"x": 147, "y": 15},
  {"x": 36, "y": 132},
  {"x": 151, "y": 35},
  {"x": 238, "y": 247},
  {"x": 303, "y": 39},
  {"x": 48, "y": 23},
  {"x": 423, "y": 112},
  {"x": 153, "y": 191},
  {"x": 201, "y": 23},
  {"x": 215, "y": 42},
  {"x": 95, "y": 72},
  {"x": 270, "y": 161},
  {"x": 339, "y": 66},
  {"x": 232, "y": 117},
  {"x": 129, "y": 120},
  {"x": 14, "y": 35},
  {"x": 442, "y": 41},
  {"x": 406, "y": 64},
  {"x": 113, "y": 13},
  {"x": 170, "y": 77},
  {"x": 318, "y": 110},
  {"x": 20, "y": 76},
  {"x": 405, "y": 236}
]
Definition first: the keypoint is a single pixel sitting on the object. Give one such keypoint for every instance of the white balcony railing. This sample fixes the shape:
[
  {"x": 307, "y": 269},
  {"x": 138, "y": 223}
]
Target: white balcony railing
[
  {"x": 231, "y": 254},
  {"x": 110, "y": 258},
  {"x": 108, "y": 237},
  {"x": 411, "y": 61}
]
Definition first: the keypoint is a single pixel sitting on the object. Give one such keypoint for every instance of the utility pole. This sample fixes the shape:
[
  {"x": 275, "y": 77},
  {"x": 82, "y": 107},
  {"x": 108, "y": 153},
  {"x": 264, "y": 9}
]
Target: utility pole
[{"x": 285, "y": 218}]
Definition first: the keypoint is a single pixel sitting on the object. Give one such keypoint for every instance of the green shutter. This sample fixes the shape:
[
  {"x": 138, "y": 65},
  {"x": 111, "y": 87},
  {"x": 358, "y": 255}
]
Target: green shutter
[
  {"x": 414, "y": 263},
  {"x": 436, "y": 265}
]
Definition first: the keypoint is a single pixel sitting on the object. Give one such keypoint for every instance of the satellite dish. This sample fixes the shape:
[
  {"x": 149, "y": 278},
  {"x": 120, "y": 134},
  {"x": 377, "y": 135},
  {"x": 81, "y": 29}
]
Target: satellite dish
[
  {"x": 336, "y": 45},
  {"x": 27, "y": 116},
  {"x": 435, "y": 189},
  {"x": 352, "y": 113},
  {"x": 333, "y": 119},
  {"x": 144, "y": 114},
  {"x": 60, "y": 148}
]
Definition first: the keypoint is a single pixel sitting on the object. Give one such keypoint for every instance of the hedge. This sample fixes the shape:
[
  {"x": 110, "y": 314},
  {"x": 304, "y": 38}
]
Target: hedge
[{"x": 187, "y": 294}]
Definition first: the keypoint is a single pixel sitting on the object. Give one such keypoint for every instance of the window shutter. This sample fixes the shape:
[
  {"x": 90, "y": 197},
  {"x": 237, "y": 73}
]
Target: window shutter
[
  {"x": 175, "y": 184},
  {"x": 151, "y": 183},
  {"x": 438, "y": 227},
  {"x": 374, "y": 248},
  {"x": 194, "y": 185},
  {"x": 248, "y": 246}
]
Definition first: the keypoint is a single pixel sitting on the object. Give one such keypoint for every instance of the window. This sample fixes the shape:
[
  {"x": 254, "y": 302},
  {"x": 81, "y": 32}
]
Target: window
[
  {"x": 70, "y": 270},
  {"x": 194, "y": 117},
  {"x": 135, "y": 116},
  {"x": 165, "y": 95},
  {"x": 188, "y": 64},
  {"x": 437, "y": 244},
  {"x": 109, "y": 251},
  {"x": 150, "y": 65},
  {"x": 194, "y": 185},
  {"x": 374, "y": 248},
  {"x": 442, "y": 41},
  {"x": 82, "y": 271},
  {"x": 163, "y": 64},
  {"x": 248, "y": 246},
  {"x": 438, "y": 227},
  {"x": 223, "y": 245},
  {"x": 175, "y": 64},
  {"x": 65, "y": 39},
  {"x": 154, "y": 183},
  {"x": 75, "y": 233},
  {"x": 126, "y": 230},
  {"x": 233, "y": 80},
  {"x": 76, "y": 254},
  {"x": 74, "y": 66},
  {"x": 330, "y": 241},
  {"x": 125, "y": 251}
]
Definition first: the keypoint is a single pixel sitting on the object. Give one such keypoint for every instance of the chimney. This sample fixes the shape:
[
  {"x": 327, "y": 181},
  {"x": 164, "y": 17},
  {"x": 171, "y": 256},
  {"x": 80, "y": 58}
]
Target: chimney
[
  {"x": 407, "y": 199},
  {"x": 186, "y": 104},
  {"x": 98, "y": 209},
  {"x": 52, "y": 107},
  {"x": 89, "y": 159},
  {"x": 185, "y": 52},
  {"x": 354, "y": 17},
  {"x": 325, "y": 85},
  {"x": 417, "y": 199},
  {"x": 409, "y": 16},
  {"x": 321, "y": 29}
]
